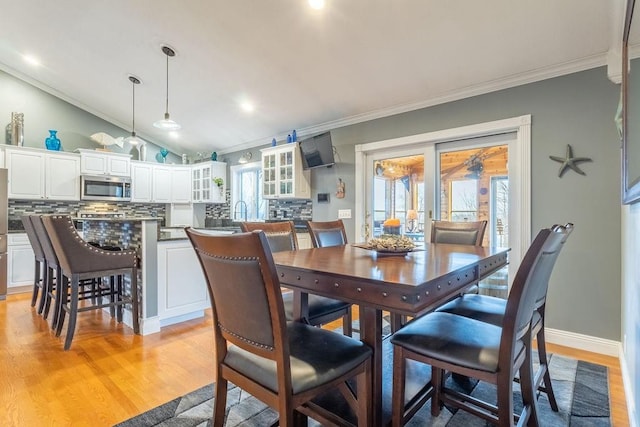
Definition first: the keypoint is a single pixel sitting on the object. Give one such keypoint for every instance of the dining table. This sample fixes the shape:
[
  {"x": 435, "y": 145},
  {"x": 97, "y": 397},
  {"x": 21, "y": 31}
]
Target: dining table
[{"x": 411, "y": 284}]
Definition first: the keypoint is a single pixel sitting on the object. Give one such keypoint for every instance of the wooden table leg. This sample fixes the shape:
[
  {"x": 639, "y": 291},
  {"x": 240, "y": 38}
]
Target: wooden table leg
[
  {"x": 300, "y": 306},
  {"x": 371, "y": 334}
]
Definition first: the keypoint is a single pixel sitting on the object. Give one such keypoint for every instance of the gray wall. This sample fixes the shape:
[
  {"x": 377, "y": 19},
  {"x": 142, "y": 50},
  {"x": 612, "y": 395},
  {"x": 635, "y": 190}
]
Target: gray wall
[
  {"x": 578, "y": 109},
  {"x": 43, "y": 111}
]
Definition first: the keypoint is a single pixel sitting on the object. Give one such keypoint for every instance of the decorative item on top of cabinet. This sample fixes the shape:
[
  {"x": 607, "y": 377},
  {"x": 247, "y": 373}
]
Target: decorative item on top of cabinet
[
  {"x": 282, "y": 174},
  {"x": 52, "y": 142},
  {"x": 203, "y": 187}
]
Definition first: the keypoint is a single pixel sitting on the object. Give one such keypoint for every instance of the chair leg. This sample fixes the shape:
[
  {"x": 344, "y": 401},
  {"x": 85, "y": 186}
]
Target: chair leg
[
  {"x": 61, "y": 303},
  {"x": 36, "y": 280},
  {"x": 112, "y": 297},
  {"x": 364, "y": 398},
  {"x": 527, "y": 387},
  {"x": 47, "y": 290},
  {"x": 118, "y": 298},
  {"x": 347, "y": 320},
  {"x": 437, "y": 381},
  {"x": 73, "y": 313},
  {"x": 220, "y": 401},
  {"x": 399, "y": 368},
  {"x": 505, "y": 396},
  {"x": 544, "y": 364},
  {"x": 397, "y": 320},
  {"x": 134, "y": 301}
]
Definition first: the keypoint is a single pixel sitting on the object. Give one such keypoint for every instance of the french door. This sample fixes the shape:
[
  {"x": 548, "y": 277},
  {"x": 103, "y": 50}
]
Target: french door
[{"x": 470, "y": 173}]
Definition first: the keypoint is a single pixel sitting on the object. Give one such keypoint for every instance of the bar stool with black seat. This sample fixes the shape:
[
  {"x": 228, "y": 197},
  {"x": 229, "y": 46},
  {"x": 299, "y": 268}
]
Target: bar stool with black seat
[
  {"x": 322, "y": 310},
  {"x": 492, "y": 310},
  {"x": 470, "y": 347},
  {"x": 284, "y": 364},
  {"x": 79, "y": 261},
  {"x": 40, "y": 265}
]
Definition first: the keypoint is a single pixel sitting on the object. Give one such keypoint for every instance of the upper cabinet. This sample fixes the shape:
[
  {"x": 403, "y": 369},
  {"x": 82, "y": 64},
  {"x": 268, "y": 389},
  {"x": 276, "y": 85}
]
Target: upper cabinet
[
  {"x": 94, "y": 162},
  {"x": 282, "y": 174},
  {"x": 209, "y": 182},
  {"x": 160, "y": 183},
  {"x": 141, "y": 182},
  {"x": 38, "y": 174}
]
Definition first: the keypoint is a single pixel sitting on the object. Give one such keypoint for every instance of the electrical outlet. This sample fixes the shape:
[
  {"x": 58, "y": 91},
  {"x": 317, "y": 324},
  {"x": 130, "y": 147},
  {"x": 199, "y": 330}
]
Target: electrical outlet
[{"x": 344, "y": 213}]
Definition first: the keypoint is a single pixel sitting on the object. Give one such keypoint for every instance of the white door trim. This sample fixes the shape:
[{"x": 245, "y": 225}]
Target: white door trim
[{"x": 519, "y": 183}]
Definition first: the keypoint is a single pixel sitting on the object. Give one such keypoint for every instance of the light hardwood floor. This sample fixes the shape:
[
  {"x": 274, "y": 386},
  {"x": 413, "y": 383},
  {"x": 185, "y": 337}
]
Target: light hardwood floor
[{"x": 110, "y": 374}]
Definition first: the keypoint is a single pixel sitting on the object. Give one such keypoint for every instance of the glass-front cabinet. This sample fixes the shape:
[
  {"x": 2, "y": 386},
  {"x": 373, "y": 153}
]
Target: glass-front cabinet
[
  {"x": 208, "y": 183},
  {"x": 282, "y": 174}
]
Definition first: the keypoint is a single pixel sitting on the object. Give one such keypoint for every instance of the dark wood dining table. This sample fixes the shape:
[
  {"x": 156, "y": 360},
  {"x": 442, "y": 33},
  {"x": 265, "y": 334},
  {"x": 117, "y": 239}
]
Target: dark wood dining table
[{"x": 410, "y": 284}]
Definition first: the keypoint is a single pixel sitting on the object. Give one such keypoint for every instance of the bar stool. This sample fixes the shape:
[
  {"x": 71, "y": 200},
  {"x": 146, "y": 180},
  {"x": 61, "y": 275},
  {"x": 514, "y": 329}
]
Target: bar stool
[
  {"x": 40, "y": 264},
  {"x": 78, "y": 261}
]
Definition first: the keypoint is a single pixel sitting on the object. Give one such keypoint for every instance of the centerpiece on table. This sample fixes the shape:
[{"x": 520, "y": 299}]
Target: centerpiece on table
[{"x": 391, "y": 242}]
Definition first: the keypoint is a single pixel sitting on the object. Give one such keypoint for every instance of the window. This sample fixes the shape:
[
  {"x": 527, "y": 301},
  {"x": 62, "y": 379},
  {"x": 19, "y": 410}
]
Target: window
[
  {"x": 246, "y": 193},
  {"x": 463, "y": 201}
]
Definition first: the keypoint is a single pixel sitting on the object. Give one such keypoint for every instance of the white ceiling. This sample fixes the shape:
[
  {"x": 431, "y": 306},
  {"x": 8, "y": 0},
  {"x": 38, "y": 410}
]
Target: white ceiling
[{"x": 303, "y": 69}]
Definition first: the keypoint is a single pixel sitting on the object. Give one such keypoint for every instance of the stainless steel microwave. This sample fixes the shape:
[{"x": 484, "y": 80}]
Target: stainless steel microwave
[{"x": 109, "y": 188}]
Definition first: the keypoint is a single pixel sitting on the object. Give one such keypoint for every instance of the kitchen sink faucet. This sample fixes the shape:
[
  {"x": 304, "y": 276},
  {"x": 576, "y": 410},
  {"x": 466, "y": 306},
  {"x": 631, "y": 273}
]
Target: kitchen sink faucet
[{"x": 237, "y": 211}]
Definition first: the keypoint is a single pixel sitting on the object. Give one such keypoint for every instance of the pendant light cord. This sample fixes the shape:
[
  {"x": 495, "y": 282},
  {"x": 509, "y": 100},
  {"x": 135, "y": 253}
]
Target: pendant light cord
[{"x": 167, "y": 104}]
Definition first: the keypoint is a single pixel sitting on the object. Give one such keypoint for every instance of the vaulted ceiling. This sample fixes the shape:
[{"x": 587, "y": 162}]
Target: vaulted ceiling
[{"x": 301, "y": 68}]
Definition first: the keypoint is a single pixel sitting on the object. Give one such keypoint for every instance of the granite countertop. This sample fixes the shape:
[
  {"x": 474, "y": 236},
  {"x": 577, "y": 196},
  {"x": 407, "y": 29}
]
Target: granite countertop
[{"x": 124, "y": 219}]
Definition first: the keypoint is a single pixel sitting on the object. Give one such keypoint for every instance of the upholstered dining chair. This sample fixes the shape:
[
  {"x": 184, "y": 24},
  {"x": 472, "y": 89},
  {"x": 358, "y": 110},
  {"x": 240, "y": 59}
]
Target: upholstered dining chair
[
  {"x": 322, "y": 310},
  {"x": 470, "y": 347},
  {"x": 327, "y": 233},
  {"x": 492, "y": 310},
  {"x": 40, "y": 265},
  {"x": 79, "y": 261},
  {"x": 458, "y": 233},
  {"x": 285, "y": 364}
]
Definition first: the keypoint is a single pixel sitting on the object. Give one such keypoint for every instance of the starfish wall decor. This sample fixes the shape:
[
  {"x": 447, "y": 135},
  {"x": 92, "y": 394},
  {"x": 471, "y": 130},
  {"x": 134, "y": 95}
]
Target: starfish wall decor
[{"x": 569, "y": 162}]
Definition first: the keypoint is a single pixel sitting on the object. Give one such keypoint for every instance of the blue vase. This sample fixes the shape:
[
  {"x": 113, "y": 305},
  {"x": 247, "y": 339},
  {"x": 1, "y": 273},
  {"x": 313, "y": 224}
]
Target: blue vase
[{"x": 52, "y": 142}]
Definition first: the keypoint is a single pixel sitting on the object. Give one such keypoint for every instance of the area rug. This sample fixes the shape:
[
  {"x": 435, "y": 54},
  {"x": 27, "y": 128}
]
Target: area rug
[{"x": 581, "y": 390}]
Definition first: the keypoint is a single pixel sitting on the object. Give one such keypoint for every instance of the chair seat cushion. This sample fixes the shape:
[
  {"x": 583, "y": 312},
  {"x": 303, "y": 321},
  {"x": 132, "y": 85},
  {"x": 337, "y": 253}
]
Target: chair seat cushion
[
  {"x": 318, "y": 305},
  {"x": 479, "y": 307},
  {"x": 453, "y": 339},
  {"x": 318, "y": 356}
]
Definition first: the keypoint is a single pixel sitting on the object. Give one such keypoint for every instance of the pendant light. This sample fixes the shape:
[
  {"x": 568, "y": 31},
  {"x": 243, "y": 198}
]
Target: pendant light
[
  {"x": 167, "y": 123},
  {"x": 133, "y": 139}
]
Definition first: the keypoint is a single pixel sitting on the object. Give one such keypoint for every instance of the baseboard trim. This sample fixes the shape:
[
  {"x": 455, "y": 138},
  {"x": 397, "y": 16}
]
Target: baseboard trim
[
  {"x": 181, "y": 318},
  {"x": 150, "y": 325},
  {"x": 627, "y": 383},
  {"x": 583, "y": 342}
]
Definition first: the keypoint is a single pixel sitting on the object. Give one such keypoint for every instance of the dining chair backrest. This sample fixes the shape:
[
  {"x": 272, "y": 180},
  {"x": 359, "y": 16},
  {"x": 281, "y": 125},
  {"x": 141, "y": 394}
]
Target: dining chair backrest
[
  {"x": 45, "y": 242},
  {"x": 535, "y": 268},
  {"x": 33, "y": 237},
  {"x": 75, "y": 255},
  {"x": 280, "y": 235},
  {"x": 459, "y": 233},
  {"x": 541, "y": 290},
  {"x": 327, "y": 233},
  {"x": 241, "y": 278}
]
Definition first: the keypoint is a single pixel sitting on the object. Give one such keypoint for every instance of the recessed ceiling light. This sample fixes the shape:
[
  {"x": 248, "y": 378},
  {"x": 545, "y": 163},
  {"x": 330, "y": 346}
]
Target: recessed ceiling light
[
  {"x": 31, "y": 60},
  {"x": 247, "y": 106},
  {"x": 317, "y": 4}
]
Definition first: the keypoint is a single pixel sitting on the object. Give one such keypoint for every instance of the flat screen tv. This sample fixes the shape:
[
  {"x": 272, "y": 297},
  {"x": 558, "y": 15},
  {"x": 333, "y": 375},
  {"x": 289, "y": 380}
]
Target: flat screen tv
[{"x": 317, "y": 151}]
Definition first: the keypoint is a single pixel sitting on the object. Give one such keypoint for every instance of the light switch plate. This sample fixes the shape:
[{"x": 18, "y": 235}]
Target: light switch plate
[{"x": 344, "y": 213}]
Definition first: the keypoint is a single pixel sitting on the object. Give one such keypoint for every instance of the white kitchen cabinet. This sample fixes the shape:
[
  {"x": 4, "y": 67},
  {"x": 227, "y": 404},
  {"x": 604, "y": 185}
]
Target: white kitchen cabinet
[
  {"x": 141, "y": 182},
  {"x": 100, "y": 163},
  {"x": 20, "y": 261},
  {"x": 181, "y": 184},
  {"x": 203, "y": 187},
  {"x": 282, "y": 174},
  {"x": 162, "y": 184},
  {"x": 182, "y": 289},
  {"x": 39, "y": 174}
]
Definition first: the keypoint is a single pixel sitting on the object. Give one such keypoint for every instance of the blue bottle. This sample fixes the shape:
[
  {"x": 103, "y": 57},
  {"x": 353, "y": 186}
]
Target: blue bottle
[
  {"x": 289, "y": 139},
  {"x": 294, "y": 136},
  {"x": 273, "y": 142},
  {"x": 52, "y": 142}
]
